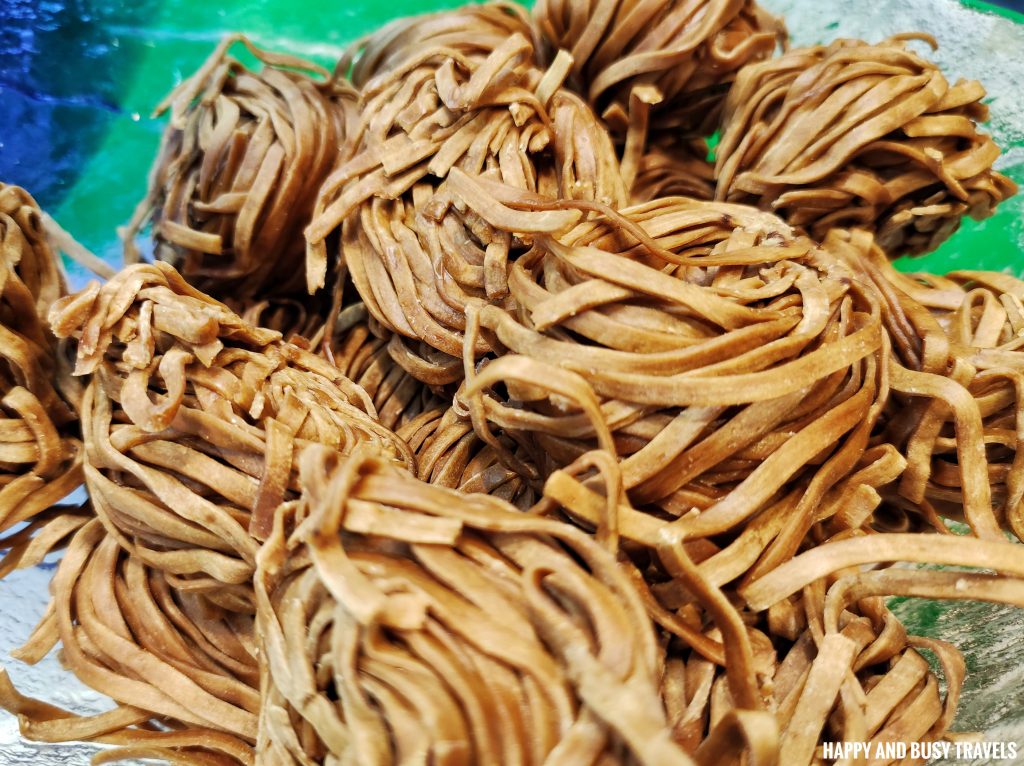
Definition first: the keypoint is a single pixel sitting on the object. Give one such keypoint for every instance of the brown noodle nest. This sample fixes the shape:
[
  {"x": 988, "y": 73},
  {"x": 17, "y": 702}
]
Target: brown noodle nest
[
  {"x": 717, "y": 359},
  {"x": 239, "y": 168},
  {"x": 385, "y": 603},
  {"x": 470, "y": 32},
  {"x": 403, "y": 619},
  {"x": 415, "y": 258},
  {"x": 360, "y": 349},
  {"x": 853, "y": 134},
  {"x": 184, "y": 673},
  {"x": 192, "y": 421},
  {"x": 561, "y": 467},
  {"x": 40, "y": 458},
  {"x": 689, "y": 51},
  {"x": 678, "y": 168},
  {"x": 450, "y": 454},
  {"x": 958, "y": 412}
]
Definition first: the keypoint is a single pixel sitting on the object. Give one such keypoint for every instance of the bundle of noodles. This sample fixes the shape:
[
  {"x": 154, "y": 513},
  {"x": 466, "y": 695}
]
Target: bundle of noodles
[
  {"x": 689, "y": 51},
  {"x": 865, "y": 679},
  {"x": 364, "y": 357},
  {"x": 239, "y": 168},
  {"x": 861, "y": 135},
  {"x": 191, "y": 421},
  {"x": 958, "y": 381},
  {"x": 732, "y": 367},
  {"x": 40, "y": 459},
  {"x": 810, "y": 634},
  {"x": 184, "y": 673},
  {"x": 400, "y": 619},
  {"x": 415, "y": 258},
  {"x": 359, "y": 348},
  {"x": 292, "y": 317},
  {"x": 447, "y": 450},
  {"x": 27, "y": 251}
]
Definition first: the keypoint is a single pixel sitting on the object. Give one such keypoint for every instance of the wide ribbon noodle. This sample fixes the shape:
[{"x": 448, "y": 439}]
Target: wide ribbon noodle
[
  {"x": 183, "y": 672},
  {"x": 192, "y": 421},
  {"x": 431, "y": 109},
  {"x": 853, "y": 134},
  {"x": 239, "y": 168},
  {"x": 40, "y": 455},
  {"x": 689, "y": 51},
  {"x": 403, "y": 620},
  {"x": 956, "y": 371}
]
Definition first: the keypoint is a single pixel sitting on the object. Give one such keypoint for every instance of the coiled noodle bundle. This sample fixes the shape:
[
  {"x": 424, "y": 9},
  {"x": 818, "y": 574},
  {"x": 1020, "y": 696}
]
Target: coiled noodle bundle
[
  {"x": 239, "y": 169},
  {"x": 853, "y": 134},
  {"x": 192, "y": 422}
]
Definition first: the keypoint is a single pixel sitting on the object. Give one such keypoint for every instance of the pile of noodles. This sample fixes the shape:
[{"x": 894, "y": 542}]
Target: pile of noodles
[
  {"x": 192, "y": 420},
  {"x": 450, "y": 454},
  {"x": 404, "y": 620},
  {"x": 688, "y": 51},
  {"x": 718, "y": 355},
  {"x": 40, "y": 457},
  {"x": 958, "y": 381},
  {"x": 399, "y": 617},
  {"x": 239, "y": 168},
  {"x": 184, "y": 673},
  {"x": 559, "y": 461},
  {"x": 471, "y": 32},
  {"x": 809, "y": 639},
  {"x": 677, "y": 168},
  {"x": 363, "y": 356},
  {"x": 430, "y": 110},
  {"x": 852, "y": 134}
]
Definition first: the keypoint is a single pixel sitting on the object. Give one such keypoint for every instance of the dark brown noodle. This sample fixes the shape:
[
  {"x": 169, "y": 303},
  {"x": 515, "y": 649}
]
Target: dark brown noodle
[{"x": 239, "y": 169}]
